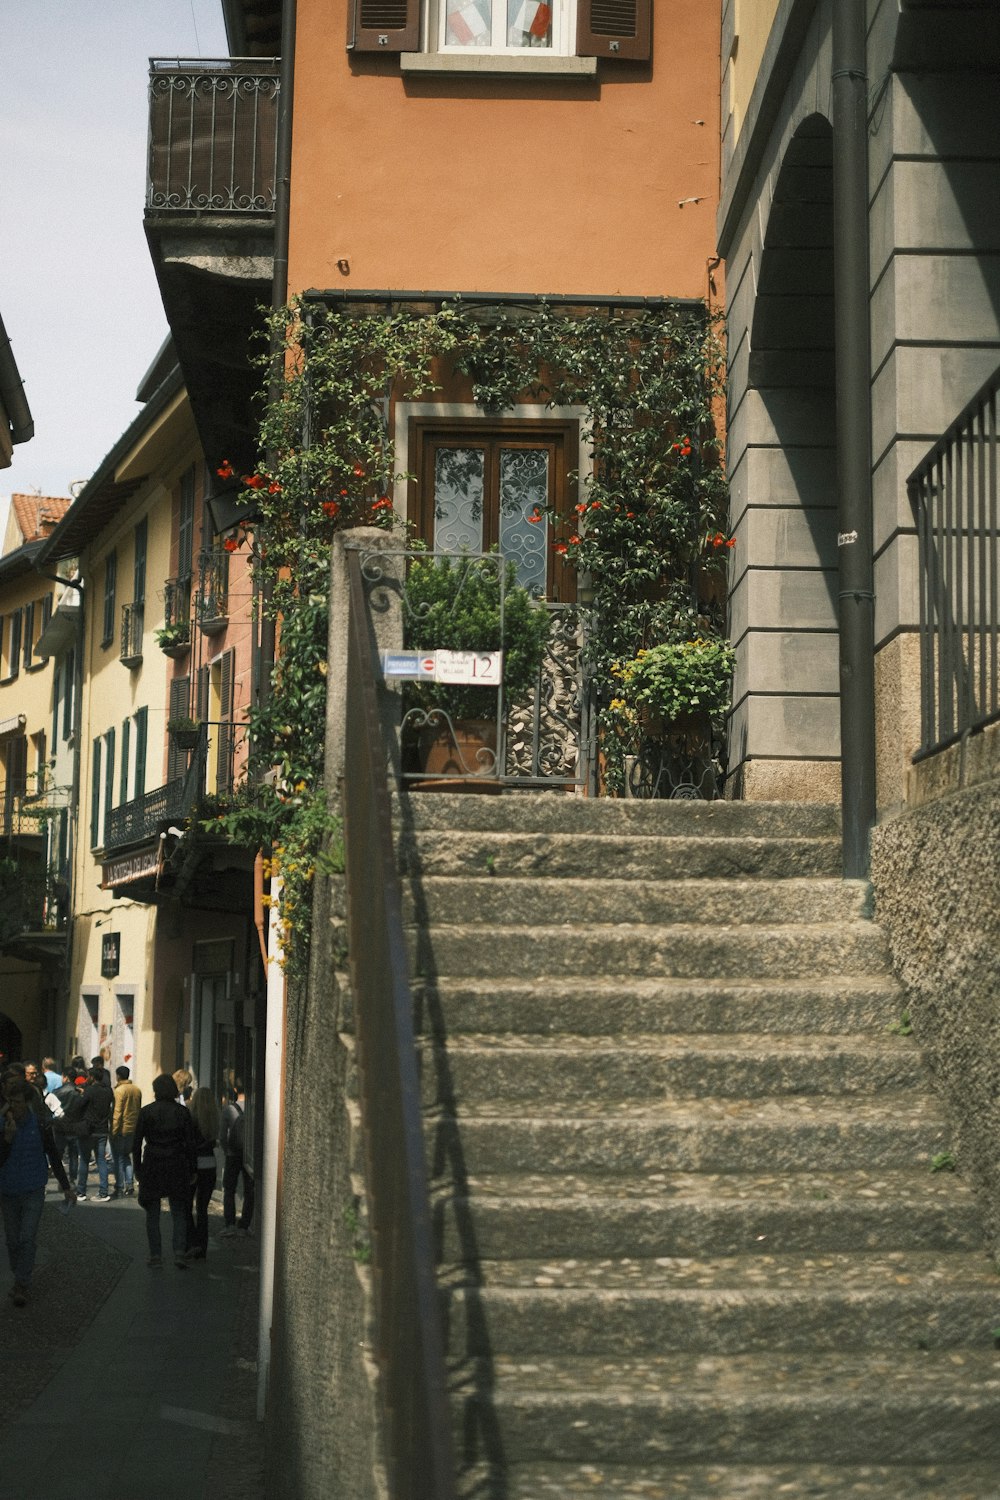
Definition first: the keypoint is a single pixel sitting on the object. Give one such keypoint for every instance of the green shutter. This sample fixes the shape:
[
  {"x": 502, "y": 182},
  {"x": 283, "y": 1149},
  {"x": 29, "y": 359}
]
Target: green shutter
[
  {"x": 141, "y": 733},
  {"x": 109, "y": 779},
  {"x": 95, "y": 796},
  {"x": 123, "y": 774}
]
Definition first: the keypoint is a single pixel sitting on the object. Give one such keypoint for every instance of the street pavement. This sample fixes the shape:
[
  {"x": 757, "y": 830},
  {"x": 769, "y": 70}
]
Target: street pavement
[{"x": 118, "y": 1380}]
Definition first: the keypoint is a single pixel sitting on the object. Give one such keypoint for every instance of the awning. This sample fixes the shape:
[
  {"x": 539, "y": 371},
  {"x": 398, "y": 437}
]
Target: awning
[{"x": 13, "y": 724}]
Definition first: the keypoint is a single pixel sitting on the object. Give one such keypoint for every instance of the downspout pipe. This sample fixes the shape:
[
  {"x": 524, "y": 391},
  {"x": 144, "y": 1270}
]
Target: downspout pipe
[{"x": 856, "y": 602}]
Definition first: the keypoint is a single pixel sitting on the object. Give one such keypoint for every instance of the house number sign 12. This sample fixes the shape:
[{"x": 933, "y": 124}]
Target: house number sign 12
[{"x": 476, "y": 668}]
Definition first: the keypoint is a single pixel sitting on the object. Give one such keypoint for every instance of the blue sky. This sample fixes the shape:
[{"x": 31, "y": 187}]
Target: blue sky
[{"x": 77, "y": 291}]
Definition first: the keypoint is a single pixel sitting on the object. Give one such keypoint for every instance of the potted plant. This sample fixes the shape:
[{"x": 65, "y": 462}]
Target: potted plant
[
  {"x": 454, "y": 604},
  {"x": 677, "y": 682},
  {"x": 184, "y": 732},
  {"x": 667, "y": 713},
  {"x": 174, "y": 639}
]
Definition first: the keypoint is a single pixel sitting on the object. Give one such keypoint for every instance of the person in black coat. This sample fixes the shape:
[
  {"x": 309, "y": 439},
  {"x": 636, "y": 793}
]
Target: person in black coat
[
  {"x": 165, "y": 1156},
  {"x": 98, "y": 1103}
]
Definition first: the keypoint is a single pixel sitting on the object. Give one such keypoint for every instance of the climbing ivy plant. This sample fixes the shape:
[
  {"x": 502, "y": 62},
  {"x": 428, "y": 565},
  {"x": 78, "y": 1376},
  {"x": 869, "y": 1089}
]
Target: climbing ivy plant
[{"x": 644, "y": 535}]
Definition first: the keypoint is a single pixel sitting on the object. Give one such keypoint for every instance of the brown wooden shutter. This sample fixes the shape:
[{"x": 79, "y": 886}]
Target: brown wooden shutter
[
  {"x": 384, "y": 26},
  {"x": 620, "y": 30}
]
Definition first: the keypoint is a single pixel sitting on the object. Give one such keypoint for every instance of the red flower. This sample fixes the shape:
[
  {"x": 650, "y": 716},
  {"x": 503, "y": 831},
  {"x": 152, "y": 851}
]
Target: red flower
[
  {"x": 274, "y": 488},
  {"x": 579, "y": 509},
  {"x": 535, "y": 516},
  {"x": 254, "y": 482},
  {"x": 630, "y": 515},
  {"x": 559, "y": 546},
  {"x": 343, "y": 494},
  {"x": 359, "y": 472},
  {"x": 574, "y": 540},
  {"x": 595, "y": 504},
  {"x": 382, "y": 504},
  {"x": 232, "y": 544},
  {"x": 330, "y": 507},
  {"x": 731, "y": 542},
  {"x": 225, "y": 469}
]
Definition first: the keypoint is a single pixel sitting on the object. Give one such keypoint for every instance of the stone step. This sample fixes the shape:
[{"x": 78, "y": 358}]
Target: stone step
[
  {"x": 678, "y": 951},
  {"x": 590, "y": 1005},
  {"x": 799, "y": 1133},
  {"x": 610, "y": 856},
  {"x": 504, "y": 901},
  {"x": 715, "y": 1481},
  {"x": 470, "y": 1068},
  {"x": 912, "y": 1407},
  {"x": 557, "y": 812},
  {"x": 606, "y": 1217},
  {"x": 783, "y": 1303}
]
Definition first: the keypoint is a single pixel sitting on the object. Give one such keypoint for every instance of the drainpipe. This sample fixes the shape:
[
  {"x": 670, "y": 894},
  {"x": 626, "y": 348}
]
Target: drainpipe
[
  {"x": 856, "y": 608},
  {"x": 269, "y": 1019}
]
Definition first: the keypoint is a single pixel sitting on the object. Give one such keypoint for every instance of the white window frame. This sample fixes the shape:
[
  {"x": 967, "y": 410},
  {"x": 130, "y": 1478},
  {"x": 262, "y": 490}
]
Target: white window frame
[
  {"x": 558, "y": 60},
  {"x": 563, "y": 33}
]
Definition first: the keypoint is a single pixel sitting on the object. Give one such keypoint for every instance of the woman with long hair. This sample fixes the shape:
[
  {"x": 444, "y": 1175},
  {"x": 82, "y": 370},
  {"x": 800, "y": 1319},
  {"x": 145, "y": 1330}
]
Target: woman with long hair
[
  {"x": 204, "y": 1113},
  {"x": 165, "y": 1161}
]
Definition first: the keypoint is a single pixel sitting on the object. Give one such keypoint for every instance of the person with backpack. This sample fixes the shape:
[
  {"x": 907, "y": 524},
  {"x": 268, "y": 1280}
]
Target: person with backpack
[
  {"x": 27, "y": 1151},
  {"x": 233, "y": 1141}
]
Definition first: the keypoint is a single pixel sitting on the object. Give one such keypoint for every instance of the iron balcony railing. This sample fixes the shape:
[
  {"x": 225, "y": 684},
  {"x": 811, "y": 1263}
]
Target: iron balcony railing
[
  {"x": 212, "y": 136},
  {"x": 953, "y": 493},
  {"x": 133, "y": 620},
  {"x": 177, "y": 601},
  {"x": 142, "y": 818},
  {"x": 213, "y": 588}
]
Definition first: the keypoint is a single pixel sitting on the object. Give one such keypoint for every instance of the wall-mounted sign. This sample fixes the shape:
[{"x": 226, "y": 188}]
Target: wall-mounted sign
[
  {"x": 111, "y": 952},
  {"x": 130, "y": 867},
  {"x": 477, "y": 668}
]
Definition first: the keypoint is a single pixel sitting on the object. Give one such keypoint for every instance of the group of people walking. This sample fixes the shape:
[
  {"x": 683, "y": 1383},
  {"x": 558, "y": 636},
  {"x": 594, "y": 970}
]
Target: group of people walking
[{"x": 53, "y": 1121}]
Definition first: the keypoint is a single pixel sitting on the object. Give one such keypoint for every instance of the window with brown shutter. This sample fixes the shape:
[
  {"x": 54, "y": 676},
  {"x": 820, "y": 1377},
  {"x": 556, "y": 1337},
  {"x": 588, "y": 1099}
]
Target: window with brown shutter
[
  {"x": 615, "y": 29},
  {"x": 384, "y": 26}
]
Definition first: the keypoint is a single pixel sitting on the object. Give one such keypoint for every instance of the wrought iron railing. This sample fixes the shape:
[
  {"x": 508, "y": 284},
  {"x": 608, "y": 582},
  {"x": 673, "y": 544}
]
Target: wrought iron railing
[
  {"x": 213, "y": 588},
  {"x": 177, "y": 601},
  {"x": 953, "y": 493},
  {"x": 541, "y": 734},
  {"x": 142, "y": 818},
  {"x": 212, "y": 136},
  {"x": 133, "y": 620},
  {"x": 408, "y": 1314}
]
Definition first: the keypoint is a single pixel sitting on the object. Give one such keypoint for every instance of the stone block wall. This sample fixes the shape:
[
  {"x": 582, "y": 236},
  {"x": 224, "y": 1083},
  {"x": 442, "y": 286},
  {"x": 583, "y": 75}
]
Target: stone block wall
[{"x": 937, "y": 894}]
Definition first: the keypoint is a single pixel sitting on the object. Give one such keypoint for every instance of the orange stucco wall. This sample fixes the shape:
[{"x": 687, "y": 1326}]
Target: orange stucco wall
[{"x": 493, "y": 184}]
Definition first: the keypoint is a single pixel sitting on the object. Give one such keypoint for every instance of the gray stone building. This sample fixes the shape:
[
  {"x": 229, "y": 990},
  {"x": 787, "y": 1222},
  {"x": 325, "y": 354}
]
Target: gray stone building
[{"x": 933, "y": 287}]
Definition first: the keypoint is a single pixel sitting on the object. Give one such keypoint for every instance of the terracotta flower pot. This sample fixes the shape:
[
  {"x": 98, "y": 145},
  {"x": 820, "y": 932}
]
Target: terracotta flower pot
[{"x": 468, "y": 750}]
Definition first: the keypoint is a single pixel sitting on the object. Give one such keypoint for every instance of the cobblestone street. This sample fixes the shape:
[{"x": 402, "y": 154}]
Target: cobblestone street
[{"x": 123, "y": 1381}]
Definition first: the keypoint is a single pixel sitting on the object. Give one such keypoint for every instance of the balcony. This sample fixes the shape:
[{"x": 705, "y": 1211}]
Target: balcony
[
  {"x": 213, "y": 592},
  {"x": 133, "y": 619},
  {"x": 954, "y": 495},
  {"x": 212, "y": 137},
  {"x": 210, "y": 225},
  {"x": 142, "y": 818}
]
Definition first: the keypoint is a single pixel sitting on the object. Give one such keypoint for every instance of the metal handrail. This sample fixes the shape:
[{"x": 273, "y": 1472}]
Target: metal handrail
[
  {"x": 409, "y": 1342},
  {"x": 953, "y": 492}
]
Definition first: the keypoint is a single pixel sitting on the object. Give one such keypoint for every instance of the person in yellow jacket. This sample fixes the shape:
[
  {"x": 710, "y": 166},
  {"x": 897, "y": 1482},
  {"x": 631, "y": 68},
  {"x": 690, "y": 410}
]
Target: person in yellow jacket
[{"x": 128, "y": 1102}]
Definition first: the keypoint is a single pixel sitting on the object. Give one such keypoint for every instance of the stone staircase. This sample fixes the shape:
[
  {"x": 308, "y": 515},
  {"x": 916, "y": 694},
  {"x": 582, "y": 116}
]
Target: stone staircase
[{"x": 690, "y": 1242}]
